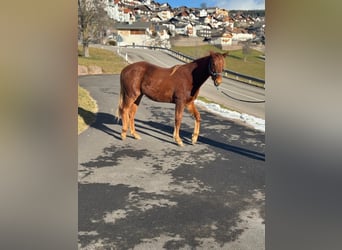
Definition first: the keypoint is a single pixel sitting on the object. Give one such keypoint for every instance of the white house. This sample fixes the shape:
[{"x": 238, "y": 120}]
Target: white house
[
  {"x": 203, "y": 13},
  {"x": 241, "y": 35},
  {"x": 191, "y": 30},
  {"x": 118, "y": 13},
  {"x": 171, "y": 27},
  {"x": 163, "y": 35},
  {"x": 207, "y": 19},
  {"x": 229, "y": 22},
  {"x": 223, "y": 41},
  {"x": 133, "y": 34},
  {"x": 193, "y": 17},
  {"x": 185, "y": 29},
  {"x": 156, "y": 19},
  {"x": 203, "y": 30},
  {"x": 180, "y": 29},
  {"x": 112, "y": 9},
  {"x": 165, "y": 15}
]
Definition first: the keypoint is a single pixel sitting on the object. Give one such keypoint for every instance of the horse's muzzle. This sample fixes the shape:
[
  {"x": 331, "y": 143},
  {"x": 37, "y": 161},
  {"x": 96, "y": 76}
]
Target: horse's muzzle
[{"x": 217, "y": 82}]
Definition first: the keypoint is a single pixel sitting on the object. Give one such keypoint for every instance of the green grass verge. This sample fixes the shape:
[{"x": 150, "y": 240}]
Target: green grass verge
[
  {"x": 253, "y": 66},
  {"x": 87, "y": 109},
  {"x": 109, "y": 61}
]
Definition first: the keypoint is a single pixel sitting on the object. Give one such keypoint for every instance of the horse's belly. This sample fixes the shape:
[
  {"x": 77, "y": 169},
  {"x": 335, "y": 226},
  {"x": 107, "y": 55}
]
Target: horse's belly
[
  {"x": 158, "y": 92},
  {"x": 160, "y": 98}
]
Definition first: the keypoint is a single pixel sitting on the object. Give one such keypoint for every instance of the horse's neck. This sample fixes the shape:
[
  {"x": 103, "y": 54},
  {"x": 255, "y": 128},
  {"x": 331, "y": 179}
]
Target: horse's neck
[{"x": 201, "y": 72}]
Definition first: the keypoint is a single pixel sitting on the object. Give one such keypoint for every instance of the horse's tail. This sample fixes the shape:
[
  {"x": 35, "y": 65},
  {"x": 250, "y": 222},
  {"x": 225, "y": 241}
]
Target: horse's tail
[{"x": 118, "y": 112}]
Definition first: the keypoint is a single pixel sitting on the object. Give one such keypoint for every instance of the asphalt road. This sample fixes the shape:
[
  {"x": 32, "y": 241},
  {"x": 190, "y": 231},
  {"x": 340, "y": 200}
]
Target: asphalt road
[{"x": 153, "y": 194}]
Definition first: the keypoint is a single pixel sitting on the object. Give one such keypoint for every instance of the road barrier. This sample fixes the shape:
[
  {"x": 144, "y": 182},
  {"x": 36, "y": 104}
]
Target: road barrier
[{"x": 226, "y": 73}]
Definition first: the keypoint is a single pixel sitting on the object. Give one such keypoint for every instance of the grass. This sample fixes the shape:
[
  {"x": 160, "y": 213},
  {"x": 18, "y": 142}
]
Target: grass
[
  {"x": 110, "y": 64},
  {"x": 87, "y": 109},
  {"x": 253, "y": 66},
  {"x": 107, "y": 60}
]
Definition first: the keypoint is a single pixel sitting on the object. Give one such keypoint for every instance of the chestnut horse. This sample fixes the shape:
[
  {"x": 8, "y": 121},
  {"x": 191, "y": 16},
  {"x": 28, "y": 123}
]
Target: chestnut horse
[{"x": 179, "y": 84}]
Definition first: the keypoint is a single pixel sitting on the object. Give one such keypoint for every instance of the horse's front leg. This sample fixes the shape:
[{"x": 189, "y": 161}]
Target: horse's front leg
[
  {"x": 192, "y": 109},
  {"x": 178, "y": 120}
]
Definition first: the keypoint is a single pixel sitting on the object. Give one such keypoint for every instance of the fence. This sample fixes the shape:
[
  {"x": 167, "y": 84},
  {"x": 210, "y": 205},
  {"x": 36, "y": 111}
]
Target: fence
[{"x": 226, "y": 73}]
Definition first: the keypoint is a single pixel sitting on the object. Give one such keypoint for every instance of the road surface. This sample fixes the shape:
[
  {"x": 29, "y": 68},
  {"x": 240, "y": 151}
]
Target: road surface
[{"x": 153, "y": 194}]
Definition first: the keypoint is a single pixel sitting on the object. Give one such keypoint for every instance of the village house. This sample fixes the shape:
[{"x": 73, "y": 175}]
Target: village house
[
  {"x": 133, "y": 19},
  {"x": 165, "y": 15},
  {"x": 203, "y": 13},
  {"x": 142, "y": 12},
  {"x": 241, "y": 35},
  {"x": 223, "y": 41},
  {"x": 186, "y": 29},
  {"x": 136, "y": 33}
]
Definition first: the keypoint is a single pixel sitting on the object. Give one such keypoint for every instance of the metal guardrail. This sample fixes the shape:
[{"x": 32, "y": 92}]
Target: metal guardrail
[{"x": 226, "y": 73}]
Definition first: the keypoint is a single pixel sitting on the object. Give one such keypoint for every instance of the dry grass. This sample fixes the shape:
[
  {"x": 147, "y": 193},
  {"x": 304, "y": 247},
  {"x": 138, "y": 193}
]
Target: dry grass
[
  {"x": 109, "y": 61},
  {"x": 87, "y": 109}
]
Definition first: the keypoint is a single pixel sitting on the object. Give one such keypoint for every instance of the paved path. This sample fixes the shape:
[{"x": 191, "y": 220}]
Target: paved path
[{"x": 153, "y": 194}]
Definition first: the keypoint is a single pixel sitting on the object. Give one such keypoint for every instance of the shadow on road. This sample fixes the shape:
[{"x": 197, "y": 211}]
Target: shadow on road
[
  {"x": 100, "y": 121},
  {"x": 109, "y": 119},
  {"x": 242, "y": 151},
  {"x": 88, "y": 116},
  {"x": 191, "y": 215},
  {"x": 145, "y": 127},
  {"x": 186, "y": 136}
]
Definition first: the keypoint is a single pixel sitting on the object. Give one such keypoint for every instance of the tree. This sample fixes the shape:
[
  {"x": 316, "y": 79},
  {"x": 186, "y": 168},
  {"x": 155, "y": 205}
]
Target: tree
[
  {"x": 246, "y": 49},
  {"x": 91, "y": 21},
  {"x": 203, "y": 5}
]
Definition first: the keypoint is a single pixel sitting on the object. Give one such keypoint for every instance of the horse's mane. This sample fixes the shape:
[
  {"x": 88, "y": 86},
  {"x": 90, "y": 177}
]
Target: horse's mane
[
  {"x": 202, "y": 58},
  {"x": 174, "y": 69}
]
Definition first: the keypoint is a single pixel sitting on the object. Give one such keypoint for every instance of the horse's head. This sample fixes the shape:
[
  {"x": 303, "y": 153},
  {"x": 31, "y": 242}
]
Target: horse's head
[{"x": 216, "y": 66}]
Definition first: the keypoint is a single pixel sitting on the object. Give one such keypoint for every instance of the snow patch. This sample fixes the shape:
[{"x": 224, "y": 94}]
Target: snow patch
[{"x": 255, "y": 122}]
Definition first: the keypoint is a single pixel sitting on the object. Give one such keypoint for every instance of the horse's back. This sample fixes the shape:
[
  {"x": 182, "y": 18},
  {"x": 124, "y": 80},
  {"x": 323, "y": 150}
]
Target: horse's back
[
  {"x": 144, "y": 72},
  {"x": 134, "y": 69}
]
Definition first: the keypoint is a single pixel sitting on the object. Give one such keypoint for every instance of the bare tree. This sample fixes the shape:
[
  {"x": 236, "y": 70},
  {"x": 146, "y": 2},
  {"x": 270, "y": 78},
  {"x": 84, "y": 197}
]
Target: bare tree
[{"x": 92, "y": 19}]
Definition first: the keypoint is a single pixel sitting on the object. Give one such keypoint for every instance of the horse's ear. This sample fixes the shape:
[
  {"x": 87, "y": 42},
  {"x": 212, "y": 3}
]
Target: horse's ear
[
  {"x": 211, "y": 52},
  {"x": 225, "y": 54}
]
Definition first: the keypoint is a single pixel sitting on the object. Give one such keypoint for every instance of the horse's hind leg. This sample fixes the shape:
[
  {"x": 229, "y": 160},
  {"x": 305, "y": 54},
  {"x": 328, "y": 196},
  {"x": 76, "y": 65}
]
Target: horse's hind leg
[
  {"x": 192, "y": 109},
  {"x": 132, "y": 113},
  {"x": 125, "y": 117}
]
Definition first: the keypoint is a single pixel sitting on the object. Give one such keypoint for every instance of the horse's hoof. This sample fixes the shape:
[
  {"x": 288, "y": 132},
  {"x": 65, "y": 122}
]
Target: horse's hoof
[
  {"x": 180, "y": 143},
  {"x": 194, "y": 139},
  {"x": 123, "y": 137},
  {"x": 178, "y": 140},
  {"x": 137, "y": 137}
]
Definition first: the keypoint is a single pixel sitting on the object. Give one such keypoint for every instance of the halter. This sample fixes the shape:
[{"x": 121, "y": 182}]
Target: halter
[{"x": 211, "y": 72}]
